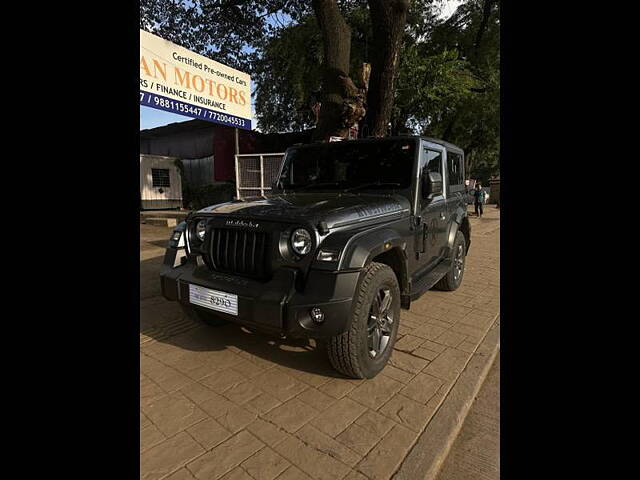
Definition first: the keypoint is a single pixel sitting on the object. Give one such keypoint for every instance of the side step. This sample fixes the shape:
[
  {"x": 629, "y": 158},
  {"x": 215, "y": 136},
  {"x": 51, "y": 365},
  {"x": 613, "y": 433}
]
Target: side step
[{"x": 430, "y": 279}]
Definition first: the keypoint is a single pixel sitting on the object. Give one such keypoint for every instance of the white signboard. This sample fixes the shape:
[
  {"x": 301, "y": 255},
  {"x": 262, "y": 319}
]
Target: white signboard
[{"x": 178, "y": 80}]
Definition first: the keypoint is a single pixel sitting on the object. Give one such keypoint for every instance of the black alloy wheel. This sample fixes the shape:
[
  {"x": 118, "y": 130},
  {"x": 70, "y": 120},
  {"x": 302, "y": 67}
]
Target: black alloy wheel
[{"x": 380, "y": 322}]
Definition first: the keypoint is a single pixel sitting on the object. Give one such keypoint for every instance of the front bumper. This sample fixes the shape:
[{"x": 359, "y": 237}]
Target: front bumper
[{"x": 280, "y": 306}]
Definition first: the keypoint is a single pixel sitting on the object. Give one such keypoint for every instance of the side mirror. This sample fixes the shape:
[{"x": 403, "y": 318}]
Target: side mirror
[{"x": 431, "y": 184}]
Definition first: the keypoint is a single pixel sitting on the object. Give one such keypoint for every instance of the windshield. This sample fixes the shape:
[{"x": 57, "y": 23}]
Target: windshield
[{"x": 350, "y": 165}]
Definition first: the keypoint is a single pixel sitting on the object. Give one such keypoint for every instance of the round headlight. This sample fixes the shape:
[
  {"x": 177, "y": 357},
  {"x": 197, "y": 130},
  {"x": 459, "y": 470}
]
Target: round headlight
[
  {"x": 301, "y": 241},
  {"x": 201, "y": 228}
]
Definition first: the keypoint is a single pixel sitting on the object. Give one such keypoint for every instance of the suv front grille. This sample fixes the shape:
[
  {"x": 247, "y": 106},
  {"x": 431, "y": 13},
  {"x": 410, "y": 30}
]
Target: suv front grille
[{"x": 237, "y": 251}]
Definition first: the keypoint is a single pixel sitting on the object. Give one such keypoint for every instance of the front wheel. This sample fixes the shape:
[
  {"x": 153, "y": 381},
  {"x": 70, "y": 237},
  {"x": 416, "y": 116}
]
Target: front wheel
[
  {"x": 453, "y": 279},
  {"x": 364, "y": 349}
]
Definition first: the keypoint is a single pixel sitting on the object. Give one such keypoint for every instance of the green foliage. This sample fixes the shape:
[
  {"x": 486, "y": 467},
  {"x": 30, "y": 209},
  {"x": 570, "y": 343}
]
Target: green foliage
[
  {"x": 472, "y": 119},
  {"x": 226, "y": 30},
  {"x": 448, "y": 85},
  {"x": 287, "y": 76},
  {"x": 429, "y": 87},
  {"x": 287, "y": 70},
  {"x": 195, "y": 198}
]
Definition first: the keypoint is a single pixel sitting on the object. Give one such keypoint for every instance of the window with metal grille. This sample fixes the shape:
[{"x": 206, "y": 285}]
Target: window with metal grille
[{"x": 160, "y": 177}]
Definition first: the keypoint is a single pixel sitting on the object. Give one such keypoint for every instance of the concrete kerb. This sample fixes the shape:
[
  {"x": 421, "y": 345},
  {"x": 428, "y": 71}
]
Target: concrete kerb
[
  {"x": 432, "y": 447},
  {"x": 178, "y": 215},
  {"x": 161, "y": 222}
]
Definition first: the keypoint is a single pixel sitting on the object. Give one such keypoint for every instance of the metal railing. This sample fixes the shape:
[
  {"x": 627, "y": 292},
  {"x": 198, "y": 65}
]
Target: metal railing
[{"x": 255, "y": 172}]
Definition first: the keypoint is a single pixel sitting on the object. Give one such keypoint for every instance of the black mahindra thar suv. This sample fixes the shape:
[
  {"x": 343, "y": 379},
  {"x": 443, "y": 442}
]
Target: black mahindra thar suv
[{"x": 352, "y": 232}]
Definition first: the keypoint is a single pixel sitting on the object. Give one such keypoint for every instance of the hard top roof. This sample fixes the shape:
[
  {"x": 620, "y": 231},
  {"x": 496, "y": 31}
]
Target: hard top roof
[{"x": 447, "y": 145}]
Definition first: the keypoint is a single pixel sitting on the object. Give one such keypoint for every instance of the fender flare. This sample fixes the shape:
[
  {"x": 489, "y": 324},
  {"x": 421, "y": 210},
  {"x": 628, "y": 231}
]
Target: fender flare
[
  {"x": 358, "y": 248},
  {"x": 361, "y": 248},
  {"x": 458, "y": 218}
]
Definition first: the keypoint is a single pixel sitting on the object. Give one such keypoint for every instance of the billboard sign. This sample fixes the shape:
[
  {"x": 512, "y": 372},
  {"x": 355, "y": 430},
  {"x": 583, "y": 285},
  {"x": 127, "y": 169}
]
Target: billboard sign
[{"x": 178, "y": 80}]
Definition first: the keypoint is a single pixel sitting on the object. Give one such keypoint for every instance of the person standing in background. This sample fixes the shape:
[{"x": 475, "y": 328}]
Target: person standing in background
[{"x": 478, "y": 199}]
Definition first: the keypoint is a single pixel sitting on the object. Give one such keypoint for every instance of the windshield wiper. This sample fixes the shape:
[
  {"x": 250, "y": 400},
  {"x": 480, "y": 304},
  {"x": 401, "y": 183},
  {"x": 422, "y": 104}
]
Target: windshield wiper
[{"x": 376, "y": 184}]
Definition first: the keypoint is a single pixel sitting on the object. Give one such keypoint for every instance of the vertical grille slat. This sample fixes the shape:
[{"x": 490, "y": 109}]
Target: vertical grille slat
[
  {"x": 244, "y": 254},
  {"x": 219, "y": 245},
  {"x": 238, "y": 251},
  {"x": 212, "y": 242},
  {"x": 217, "y": 253},
  {"x": 260, "y": 259},
  {"x": 253, "y": 248},
  {"x": 235, "y": 251},
  {"x": 226, "y": 249}
]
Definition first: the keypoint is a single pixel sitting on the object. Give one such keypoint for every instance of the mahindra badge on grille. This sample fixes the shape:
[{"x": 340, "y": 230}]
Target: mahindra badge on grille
[{"x": 241, "y": 223}]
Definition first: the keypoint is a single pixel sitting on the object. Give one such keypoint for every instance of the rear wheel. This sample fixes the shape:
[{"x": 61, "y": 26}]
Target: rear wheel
[
  {"x": 364, "y": 349},
  {"x": 203, "y": 316},
  {"x": 453, "y": 279}
]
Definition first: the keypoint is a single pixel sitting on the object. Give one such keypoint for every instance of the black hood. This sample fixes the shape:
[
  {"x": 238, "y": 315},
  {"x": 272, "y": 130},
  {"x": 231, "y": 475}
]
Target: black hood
[{"x": 336, "y": 209}]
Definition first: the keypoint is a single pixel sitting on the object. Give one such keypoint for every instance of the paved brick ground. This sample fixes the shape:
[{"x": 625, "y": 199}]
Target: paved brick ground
[
  {"x": 475, "y": 455},
  {"x": 226, "y": 403}
]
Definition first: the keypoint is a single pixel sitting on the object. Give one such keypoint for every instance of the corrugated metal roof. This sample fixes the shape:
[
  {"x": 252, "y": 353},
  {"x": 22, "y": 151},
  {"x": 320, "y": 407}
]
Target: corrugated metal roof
[{"x": 178, "y": 127}]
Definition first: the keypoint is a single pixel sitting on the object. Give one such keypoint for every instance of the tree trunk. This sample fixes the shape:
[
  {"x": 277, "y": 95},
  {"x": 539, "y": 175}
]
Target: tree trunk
[
  {"x": 486, "y": 13},
  {"x": 388, "y": 19},
  {"x": 336, "y": 41}
]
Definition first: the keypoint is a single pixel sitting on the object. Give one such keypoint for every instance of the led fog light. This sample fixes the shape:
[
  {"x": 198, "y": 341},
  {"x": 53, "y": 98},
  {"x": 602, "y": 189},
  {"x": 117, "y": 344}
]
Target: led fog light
[{"x": 317, "y": 315}]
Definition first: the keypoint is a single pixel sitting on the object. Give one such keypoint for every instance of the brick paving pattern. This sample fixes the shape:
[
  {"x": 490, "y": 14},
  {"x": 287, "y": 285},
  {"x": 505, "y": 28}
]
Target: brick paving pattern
[
  {"x": 225, "y": 403},
  {"x": 475, "y": 455}
]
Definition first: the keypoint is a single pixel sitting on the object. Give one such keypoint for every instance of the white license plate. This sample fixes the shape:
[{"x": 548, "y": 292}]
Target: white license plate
[{"x": 213, "y": 299}]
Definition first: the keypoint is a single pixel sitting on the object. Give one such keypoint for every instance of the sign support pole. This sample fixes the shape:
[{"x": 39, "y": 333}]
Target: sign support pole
[
  {"x": 237, "y": 178},
  {"x": 237, "y": 166},
  {"x": 262, "y": 176}
]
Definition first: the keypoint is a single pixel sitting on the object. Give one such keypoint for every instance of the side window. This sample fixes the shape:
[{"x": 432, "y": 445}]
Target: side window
[
  {"x": 455, "y": 176},
  {"x": 433, "y": 161}
]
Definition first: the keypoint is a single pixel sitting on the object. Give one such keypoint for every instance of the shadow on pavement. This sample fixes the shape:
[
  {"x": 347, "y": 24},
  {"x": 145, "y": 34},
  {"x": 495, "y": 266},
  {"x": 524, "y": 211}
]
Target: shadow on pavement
[
  {"x": 150, "y": 277},
  {"x": 160, "y": 243},
  {"x": 165, "y": 322}
]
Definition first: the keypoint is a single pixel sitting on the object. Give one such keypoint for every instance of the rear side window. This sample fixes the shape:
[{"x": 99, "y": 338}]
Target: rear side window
[{"x": 455, "y": 170}]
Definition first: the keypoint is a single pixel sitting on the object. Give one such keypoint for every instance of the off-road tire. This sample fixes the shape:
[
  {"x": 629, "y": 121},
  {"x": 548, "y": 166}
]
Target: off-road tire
[
  {"x": 449, "y": 282},
  {"x": 205, "y": 317},
  {"x": 349, "y": 352}
]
